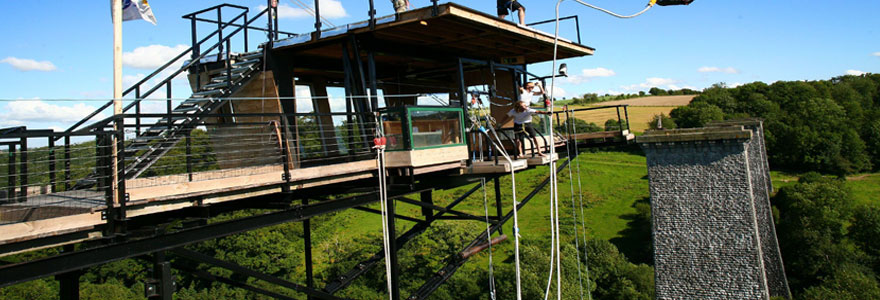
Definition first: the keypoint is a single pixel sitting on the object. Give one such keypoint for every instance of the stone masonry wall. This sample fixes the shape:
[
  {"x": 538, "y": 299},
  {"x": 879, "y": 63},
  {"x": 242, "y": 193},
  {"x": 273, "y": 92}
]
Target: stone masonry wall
[
  {"x": 761, "y": 189},
  {"x": 707, "y": 239}
]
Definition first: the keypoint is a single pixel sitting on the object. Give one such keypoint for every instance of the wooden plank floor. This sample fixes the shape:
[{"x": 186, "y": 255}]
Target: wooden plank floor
[{"x": 57, "y": 213}]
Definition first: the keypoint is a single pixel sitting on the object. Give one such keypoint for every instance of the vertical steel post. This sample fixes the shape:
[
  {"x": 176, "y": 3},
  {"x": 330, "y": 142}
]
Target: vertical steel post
[
  {"x": 228, "y": 68},
  {"x": 462, "y": 91},
  {"x": 162, "y": 275},
  {"x": 307, "y": 240},
  {"x": 68, "y": 282},
  {"x": 137, "y": 109},
  {"x": 246, "y": 32},
  {"x": 318, "y": 17},
  {"x": 372, "y": 14},
  {"x": 189, "y": 168},
  {"x": 497, "y": 184},
  {"x": 168, "y": 105},
  {"x": 577, "y": 25},
  {"x": 435, "y": 10},
  {"x": 619, "y": 124},
  {"x": 374, "y": 90},
  {"x": 11, "y": 185},
  {"x": 275, "y": 27},
  {"x": 67, "y": 162},
  {"x": 52, "y": 174},
  {"x": 23, "y": 158},
  {"x": 220, "y": 32},
  {"x": 426, "y": 197},
  {"x": 196, "y": 51},
  {"x": 120, "y": 175},
  {"x": 392, "y": 236},
  {"x": 626, "y": 114}
]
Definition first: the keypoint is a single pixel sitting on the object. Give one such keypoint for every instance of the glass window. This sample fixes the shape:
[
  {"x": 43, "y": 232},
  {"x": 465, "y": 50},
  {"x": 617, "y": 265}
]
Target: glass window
[
  {"x": 392, "y": 125},
  {"x": 435, "y": 128}
]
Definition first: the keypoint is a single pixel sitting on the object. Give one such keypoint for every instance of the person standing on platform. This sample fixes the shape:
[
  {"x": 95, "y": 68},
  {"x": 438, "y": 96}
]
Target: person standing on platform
[
  {"x": 512, "y": 5},
  {"x": 522, "y": 126},
  {"x": 400, "y": 5}
]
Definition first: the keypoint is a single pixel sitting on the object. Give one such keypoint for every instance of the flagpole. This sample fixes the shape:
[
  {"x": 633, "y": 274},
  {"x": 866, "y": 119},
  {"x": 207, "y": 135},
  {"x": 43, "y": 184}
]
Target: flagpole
[{"x": 116, "y": 6}]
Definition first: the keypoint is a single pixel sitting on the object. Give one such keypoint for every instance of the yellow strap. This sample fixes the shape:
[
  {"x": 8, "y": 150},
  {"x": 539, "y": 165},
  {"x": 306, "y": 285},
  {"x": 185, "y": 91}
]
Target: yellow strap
[{"x": 652, "y": 3}]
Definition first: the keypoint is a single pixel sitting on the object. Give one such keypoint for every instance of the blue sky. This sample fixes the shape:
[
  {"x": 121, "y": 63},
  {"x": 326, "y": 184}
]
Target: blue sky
[{"x": 63, "y": 49}]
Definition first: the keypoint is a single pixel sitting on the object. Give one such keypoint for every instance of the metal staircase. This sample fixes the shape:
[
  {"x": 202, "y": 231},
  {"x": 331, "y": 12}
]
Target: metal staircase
[
  {"x": 149, "y": 146},
  {"x": 172, "y": 126}
]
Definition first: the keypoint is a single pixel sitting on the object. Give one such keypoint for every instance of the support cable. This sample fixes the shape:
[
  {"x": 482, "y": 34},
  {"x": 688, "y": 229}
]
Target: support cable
[
  {"x": 383, "y": 199},
  {"x": 488, "y": 240},
  {"x": 553, "y": 185},
  {"x": 574, "y": 214}
]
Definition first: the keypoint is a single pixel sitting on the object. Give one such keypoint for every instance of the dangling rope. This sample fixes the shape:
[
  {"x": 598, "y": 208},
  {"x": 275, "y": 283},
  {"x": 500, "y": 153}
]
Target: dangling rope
[
  {"x": 583, "y": 216},
  {"x": 516, "y": 234},
  {"x": 379, "y": 143},
  {"x": 577, "y": 245},
  {"x": 488, "y": 240}
]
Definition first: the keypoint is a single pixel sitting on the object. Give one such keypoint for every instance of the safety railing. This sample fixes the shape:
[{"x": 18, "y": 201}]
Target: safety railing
[
  {"x": 140, "y": 92},
  {"x": 37, "y": 182}
]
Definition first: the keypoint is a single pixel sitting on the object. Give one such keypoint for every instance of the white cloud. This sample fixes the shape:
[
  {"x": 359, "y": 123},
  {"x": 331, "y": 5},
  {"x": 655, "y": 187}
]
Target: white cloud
[
  {"x": 152, "y": 56},
  {"x": 559, "y": 92},
  {"x": 23, "y": 64},
  {"x": 855, "y": 72},
  {"x": 589, "y": 74},
  {"x": 735, "y": 84},
  {"x": 129, "y": 80},
  {"x": 877, "y": 54},
  {"x": 26, "y": 111},
  {"x": 330, "y": 9},
  {"x": 653, "y": 82},
  {"x": 613, "y": 92},
  {"x": 728, "y": 70}
]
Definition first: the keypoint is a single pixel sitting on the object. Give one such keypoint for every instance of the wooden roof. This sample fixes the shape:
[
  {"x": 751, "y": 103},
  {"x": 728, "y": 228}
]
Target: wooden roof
[{"x": 456, "y": 31}]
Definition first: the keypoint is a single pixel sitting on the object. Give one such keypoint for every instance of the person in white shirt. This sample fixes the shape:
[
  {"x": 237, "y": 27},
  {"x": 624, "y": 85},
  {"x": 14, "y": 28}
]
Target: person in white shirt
[
  {"x": 528, "y": 91},
  {"x": 522, "y": 125}
]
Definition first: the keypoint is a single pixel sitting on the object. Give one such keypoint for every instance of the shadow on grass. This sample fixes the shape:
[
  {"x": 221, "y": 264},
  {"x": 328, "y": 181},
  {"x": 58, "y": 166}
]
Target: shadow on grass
[{"x": 635, "y": 241}]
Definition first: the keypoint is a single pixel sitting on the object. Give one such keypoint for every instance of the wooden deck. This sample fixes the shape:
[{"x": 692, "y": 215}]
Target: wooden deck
[{"x": 52, "y": 214}]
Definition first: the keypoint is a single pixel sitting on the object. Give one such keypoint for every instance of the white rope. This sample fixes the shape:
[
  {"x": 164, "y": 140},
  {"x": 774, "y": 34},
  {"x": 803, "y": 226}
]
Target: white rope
[
  {"x": 488, "y": 240},
  {"x": 651, "y": 4},
  {"x": 583, "y": 216},
  {"x": 577, "y": 245},
  {"x": 553, "y": 184},
  {"x": 383, "y": 202}
]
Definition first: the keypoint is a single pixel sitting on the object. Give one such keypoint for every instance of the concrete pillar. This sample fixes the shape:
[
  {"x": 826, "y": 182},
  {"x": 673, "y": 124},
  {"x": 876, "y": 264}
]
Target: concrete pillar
[{"x": 709, "y": 198}]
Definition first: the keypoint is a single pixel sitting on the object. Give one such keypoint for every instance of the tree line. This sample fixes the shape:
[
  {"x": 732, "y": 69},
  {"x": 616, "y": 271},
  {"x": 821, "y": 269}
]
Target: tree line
[{"x": 830, "y": 126}]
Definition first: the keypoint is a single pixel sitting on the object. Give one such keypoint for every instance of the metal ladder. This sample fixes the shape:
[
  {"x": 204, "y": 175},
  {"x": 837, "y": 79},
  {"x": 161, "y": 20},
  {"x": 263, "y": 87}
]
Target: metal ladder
[{"x": 149, "y": 146}]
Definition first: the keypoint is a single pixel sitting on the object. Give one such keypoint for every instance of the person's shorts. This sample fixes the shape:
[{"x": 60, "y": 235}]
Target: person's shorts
[
  {"x": 525, "y": 130},
  {"x": 505, "y": 5}
]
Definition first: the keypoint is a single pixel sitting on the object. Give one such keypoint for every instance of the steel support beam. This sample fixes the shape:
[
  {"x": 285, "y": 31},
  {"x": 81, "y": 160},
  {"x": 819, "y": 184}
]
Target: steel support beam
[
  {"x": 199, "y": 257},
  {"x": 67, "y": 262},
  {"x": 307, "y": 241},
  {"x": 458, "y": 259},
  {"x": 363, "y": 267}
]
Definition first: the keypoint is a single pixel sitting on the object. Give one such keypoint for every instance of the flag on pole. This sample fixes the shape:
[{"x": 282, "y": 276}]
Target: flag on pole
[{"x": 137, "y": 10}]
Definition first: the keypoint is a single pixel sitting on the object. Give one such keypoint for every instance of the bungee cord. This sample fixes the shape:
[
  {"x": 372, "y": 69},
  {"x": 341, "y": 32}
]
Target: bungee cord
[
  {"x": 379, "y": 142},
  {"x": 488, "y": 240}
]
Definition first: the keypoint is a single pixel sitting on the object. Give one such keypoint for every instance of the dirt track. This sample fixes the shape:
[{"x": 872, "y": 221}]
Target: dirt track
[{"x": 654, "y": 101}]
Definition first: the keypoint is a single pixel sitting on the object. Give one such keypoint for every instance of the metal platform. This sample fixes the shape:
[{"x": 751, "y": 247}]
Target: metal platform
[{"x": 490, "y": 167}]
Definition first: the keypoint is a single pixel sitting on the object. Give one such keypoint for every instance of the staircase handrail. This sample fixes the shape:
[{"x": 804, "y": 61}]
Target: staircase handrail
[{"x": 171, "y": 77}]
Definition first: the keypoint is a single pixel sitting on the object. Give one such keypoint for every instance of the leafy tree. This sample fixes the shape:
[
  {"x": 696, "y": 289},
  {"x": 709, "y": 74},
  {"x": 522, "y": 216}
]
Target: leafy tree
[
  {"x": 614, "y": 125},
  {"x": 812, "y": 226},
  {"x": 666, "y": 121},
  {"x": 697, "y": 114},
  {"x": 846, "y": 283},
  {"x": 655, "y": 91}
]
